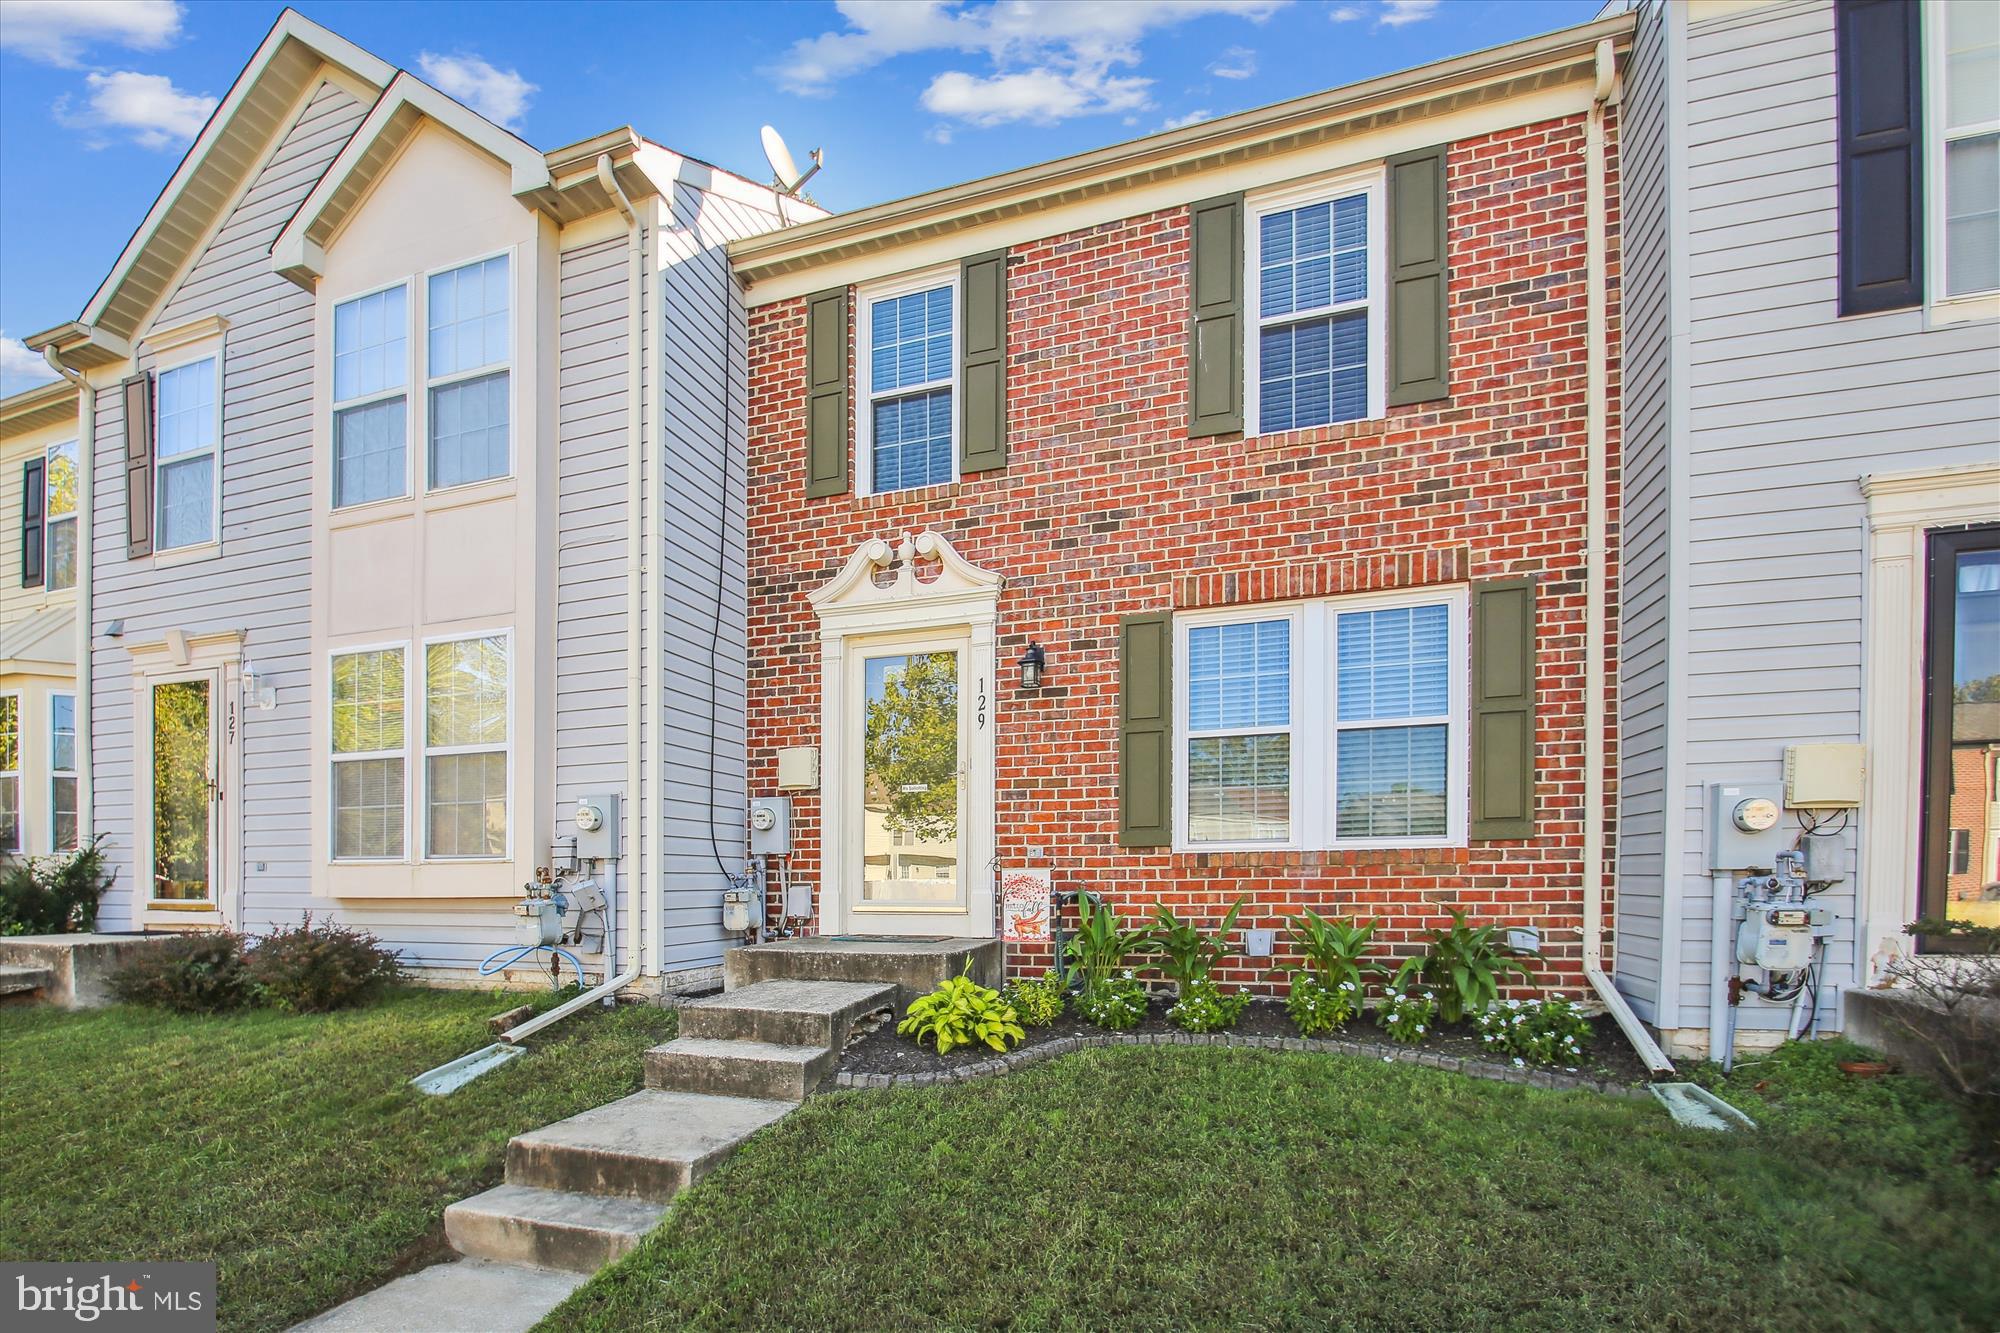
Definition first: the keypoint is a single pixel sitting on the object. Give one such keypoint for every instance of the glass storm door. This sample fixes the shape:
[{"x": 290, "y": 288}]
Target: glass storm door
[
  {"x": 185, "y": 790},
  {"x": 1961, "y": 846},
  {"x": 910, "y": 790}
]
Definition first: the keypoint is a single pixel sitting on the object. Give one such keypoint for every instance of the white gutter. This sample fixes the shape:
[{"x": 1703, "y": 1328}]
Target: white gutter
[
  {"x": 635, "y": 933},
  {"x": 1596, "y": 397},
  {"x": 86, "y": 468}
]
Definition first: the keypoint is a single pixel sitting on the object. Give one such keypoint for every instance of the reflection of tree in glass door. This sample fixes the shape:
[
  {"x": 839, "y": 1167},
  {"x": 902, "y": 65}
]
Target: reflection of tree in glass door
[
  {"x": 181, "y": 789},
  {"x": 910, "y": 785}
]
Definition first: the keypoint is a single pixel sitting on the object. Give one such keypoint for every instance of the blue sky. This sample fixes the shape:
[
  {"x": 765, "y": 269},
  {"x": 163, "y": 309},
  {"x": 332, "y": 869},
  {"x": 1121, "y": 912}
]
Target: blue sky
[{"x": 99, "y": 98}]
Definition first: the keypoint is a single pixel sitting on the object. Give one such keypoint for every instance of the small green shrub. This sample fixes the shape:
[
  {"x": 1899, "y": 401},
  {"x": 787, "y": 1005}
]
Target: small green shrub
[
  {"x": 1318, "y": 1008},
  {"x": 202, "y": 973},
  {"x": 1541, "y": 1032},
  {"x": 959, "y": 1012},
  {"x": 53, "y": 895},
  {"x": 1116, "y": 1004},
  {"x": 1097, "y": 955},
  {"x": 1039, "y": 1003},
  {"x": 1407, "y": 1016},
  {"x": 1202, "y": 1007},
  {"x": 1463, "y": 965},
  {"x": 317, "y": 967},
  {"x": 1191, "y": 955},
  {"x": 1328, "y": 989}
]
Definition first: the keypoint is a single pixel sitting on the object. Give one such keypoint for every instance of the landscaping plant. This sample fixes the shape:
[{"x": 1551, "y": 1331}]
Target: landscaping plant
[
  {"x": 317, "y": 967},
  {"x": 1953, "y": 1017},
  {"x": 53, "y": 895},
  {"x": 1109, "y": 995},
  {"x": 1329, "y": 987},
  {"x": 1038, "y": 1003},
  {"x": 1464, "y": 965},
  {"x": 1542, "y": 1032},
  {"x": 1407, "y": 1016},
  {"x": 1191, "y": 955},
  {"x": 203, "y": 973},
  {"x": 959, "y": 1012}
]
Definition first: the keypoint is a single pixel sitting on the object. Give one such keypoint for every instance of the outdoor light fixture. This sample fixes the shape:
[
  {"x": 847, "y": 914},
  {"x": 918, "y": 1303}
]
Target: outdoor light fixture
[{"x": 1032, "y": 662}]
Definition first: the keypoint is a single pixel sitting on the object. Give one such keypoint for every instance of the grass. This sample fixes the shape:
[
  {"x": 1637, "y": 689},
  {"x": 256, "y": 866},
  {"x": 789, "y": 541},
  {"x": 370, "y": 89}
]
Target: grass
[
  {"x": 1188, "y": 1188},
  {"x": 286, "y": 1148}
]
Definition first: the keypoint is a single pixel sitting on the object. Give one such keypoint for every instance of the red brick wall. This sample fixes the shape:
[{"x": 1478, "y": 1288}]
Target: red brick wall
[{"x": 1107, "y": 507}]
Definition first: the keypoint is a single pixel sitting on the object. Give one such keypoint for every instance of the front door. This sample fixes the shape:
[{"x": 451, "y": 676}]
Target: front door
[
  {"x": 187, "y": 792},
  {"x": 911, "y": 813}
]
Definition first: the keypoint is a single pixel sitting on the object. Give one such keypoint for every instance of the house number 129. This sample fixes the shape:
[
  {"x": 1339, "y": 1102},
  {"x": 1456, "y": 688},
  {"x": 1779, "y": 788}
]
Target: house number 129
[{"x": 981, "y": 713}]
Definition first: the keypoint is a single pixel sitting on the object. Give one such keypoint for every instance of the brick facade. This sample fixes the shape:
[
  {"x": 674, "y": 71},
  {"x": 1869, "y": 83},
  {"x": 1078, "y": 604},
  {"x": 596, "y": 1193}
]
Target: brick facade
[{"x": 1107, "y": 507}]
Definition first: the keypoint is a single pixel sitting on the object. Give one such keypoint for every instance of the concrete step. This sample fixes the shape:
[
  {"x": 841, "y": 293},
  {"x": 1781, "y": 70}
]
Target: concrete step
[
  {"x": 913, "y": 966},
  {"x": 787, "y": 1012},
  {"x": 518, "y": 1224},
  {"x": 730, "y": 1068},
  {"x": 650, "y": 1145},
  {"x": 21, "y": 979}
]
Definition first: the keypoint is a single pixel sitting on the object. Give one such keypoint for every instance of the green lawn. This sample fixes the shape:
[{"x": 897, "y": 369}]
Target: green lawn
[
  {"x": 1145, "y": 1187},
  {"x": 288, "y": 1149}
]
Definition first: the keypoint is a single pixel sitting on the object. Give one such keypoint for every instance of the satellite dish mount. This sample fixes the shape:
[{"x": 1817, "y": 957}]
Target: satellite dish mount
[{"x": 788, "y": 179}]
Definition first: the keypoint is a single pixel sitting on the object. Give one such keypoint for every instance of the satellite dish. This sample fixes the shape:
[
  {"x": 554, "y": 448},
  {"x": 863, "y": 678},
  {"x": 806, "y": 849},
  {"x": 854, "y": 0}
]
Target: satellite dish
[{"x": 789, "y": 177}]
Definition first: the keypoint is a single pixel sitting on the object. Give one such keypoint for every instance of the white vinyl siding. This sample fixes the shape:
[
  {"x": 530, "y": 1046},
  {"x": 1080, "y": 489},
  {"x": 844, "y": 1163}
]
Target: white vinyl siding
[
  {"x": 467, "y": 354},
  {"x": 369, "y": 737},
  {"x": 187, "y": 430},
  {"x": 1315, "y": 351},
  {"x": 467, "y": 746},
  {"x": 370, "y": 406},
  {"x": 907, "y": 349}
]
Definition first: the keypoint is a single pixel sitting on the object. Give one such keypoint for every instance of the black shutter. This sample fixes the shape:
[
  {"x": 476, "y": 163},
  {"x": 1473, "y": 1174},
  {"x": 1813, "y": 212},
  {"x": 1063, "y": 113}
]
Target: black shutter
[
  {"x": 1215, "y": 329},
  {"x": 1419, "y": 351},
  {"x": 1503, "y": 709},
  {"x": 137, "y": 393},
  {"x": 1146, "y": 730},
  {"x": 982, "y": 377},
  {"x": 34, "y": 493},
  {"x": 1878, "y": 73},
  {"x": 826, "y": 393}
]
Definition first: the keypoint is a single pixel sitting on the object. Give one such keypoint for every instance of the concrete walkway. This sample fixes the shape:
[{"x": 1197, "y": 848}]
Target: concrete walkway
[{"x": 461, "y": 1296}]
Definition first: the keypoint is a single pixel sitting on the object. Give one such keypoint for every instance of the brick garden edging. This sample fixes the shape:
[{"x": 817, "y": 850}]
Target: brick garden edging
[{"x": 1001, "y": 1064}]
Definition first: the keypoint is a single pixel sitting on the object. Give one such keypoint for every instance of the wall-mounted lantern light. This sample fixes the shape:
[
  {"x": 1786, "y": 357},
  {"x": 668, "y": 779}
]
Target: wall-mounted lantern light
[
  {"x": 258, "y": 691},
  {"x": 1033, "y": 662}
]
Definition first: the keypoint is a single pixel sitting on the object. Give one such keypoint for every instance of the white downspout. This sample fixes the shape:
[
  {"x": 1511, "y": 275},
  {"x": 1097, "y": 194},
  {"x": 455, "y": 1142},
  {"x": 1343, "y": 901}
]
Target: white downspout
[
  {"x": 634, "y": 932},
  {"x": 1596, "y": 400},
  {"x": 86, "y": 469}
]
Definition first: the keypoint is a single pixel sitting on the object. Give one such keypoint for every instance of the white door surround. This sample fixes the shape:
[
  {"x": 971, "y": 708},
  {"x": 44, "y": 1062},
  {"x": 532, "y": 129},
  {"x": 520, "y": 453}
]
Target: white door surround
[
  {"x": 929, "y": 590},
  {"x": 215, "y": 658}
]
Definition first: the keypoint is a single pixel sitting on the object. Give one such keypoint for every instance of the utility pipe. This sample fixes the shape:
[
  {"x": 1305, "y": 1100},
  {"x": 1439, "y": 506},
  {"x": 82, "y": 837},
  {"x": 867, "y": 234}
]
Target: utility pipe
[
  {"x": 86, "y": 469},
  {"x": 635, "y": 934},
  {"x": 1596, "y": 396}
]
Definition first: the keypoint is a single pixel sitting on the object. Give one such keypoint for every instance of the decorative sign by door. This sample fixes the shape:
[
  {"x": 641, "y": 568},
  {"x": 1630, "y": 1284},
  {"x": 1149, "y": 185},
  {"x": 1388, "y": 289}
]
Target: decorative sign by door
[{"x": 1024, "y": 905}]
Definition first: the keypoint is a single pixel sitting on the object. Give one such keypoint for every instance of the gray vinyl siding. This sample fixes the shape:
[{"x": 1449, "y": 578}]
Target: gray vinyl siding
[
  {"x": 260, "y": 581},
  {"x": 1644, "y": 600},
  {"x": 1788, "y": 407}
]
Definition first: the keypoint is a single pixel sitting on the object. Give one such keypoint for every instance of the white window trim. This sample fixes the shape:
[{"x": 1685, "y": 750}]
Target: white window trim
[
  {"x": 20, "y": 797},
  {"x": 424, "y": 749},
  {"x": 335, "y": 758},
  {"x": 1944, "y": 309},
  {"x": 1369, "y": 182},
  {"x": 865, "y": 398},
  {"x": 189, "y": 355},
  {"x": 50, "y": 519},
  {"x": 421, "y": 314},
  {"x": 339, "y": 405},
  {"x": 1315, "y": 718},
  {"x": 55, "y": 772}
]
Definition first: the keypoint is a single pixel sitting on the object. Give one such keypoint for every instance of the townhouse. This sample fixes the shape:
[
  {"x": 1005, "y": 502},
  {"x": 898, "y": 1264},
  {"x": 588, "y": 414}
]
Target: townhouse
[
  {"x": 400, "y": 519},
  {"x": 1812, "y": 490},
  {"x": 1225, "y": 513}
]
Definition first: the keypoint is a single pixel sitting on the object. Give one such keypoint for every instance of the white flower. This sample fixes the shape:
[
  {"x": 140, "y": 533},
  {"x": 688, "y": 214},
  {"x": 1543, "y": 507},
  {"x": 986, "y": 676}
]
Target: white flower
[
  {"x": 1519, "y": 1063},
  {"x": 1420, "y": 1029}
]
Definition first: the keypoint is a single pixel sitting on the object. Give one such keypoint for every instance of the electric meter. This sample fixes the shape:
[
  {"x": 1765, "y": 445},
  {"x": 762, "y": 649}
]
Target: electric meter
[
  {"x": 589, "y": 818},
  {"x": 1755, "y": 815}
]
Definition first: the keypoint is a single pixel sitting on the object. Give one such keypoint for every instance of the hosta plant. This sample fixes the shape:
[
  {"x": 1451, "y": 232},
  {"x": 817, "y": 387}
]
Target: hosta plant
[
  {"x": 960, "y": 1012},
  {"x": 1542, "y": 1032},
  {"x": 1408, "y": 1016},
  {"x": 1039, "y": 1003},
  {"x": 1329, "y": 985},
  {"x": 1464, "y": 965}
]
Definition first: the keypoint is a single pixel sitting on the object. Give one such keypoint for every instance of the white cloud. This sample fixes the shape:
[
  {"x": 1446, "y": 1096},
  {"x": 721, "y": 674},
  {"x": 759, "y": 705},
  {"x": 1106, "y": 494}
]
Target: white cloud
[
  {"x": 146, "y": 108},
  {"x": 1238, "y": 62},
  {"x": 1396, "y": 13},
  {"x": 1191, "y": 118},
  {"x": 1344, "y": 14},
  {"x": 56, "y": 32},
  {"x": 939, "y": 134},
  {"x": 20, "y": 368},
  {"x": 1050, "y": 60},
  {"x": 500, "y": 95}
]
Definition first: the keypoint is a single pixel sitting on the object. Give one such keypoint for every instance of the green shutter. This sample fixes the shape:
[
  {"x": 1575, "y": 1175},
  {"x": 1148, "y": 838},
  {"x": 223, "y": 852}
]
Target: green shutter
[
  {"x": 982, "y": 366},
  {"x": 137, "y": 393},
  {"x": 1503, "y": 709},
  {"x": 1215, "y": 332},
  {"x": 1146, "y": 730},
  {"x": 1419, "y": 353},
  {"x": 826, "y": 393}
]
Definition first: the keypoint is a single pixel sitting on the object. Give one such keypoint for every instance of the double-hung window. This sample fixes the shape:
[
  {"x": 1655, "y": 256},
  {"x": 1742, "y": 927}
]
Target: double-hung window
[
  {"x": 1965, "y": 68},
  {"x": 1315, "y": 348},
  {"x": 10, "y": 772},
  {"x": 467, "y": 746},
  {"x": 908, "y": 357},
  {"x": 59, "y": 517},
  {"x": 370, "y": 405},
  {"x": 188, "y": 427},
  {"x": 368, "y": 732},
  {"x": 62, "y": 773},
  {"x": 467, "y": 354},
  {"x": 1324, "y": 724}
]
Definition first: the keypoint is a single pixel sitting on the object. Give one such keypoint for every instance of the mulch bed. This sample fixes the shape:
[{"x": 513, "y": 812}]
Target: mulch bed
[{"x": 1608, "y": 1058}]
